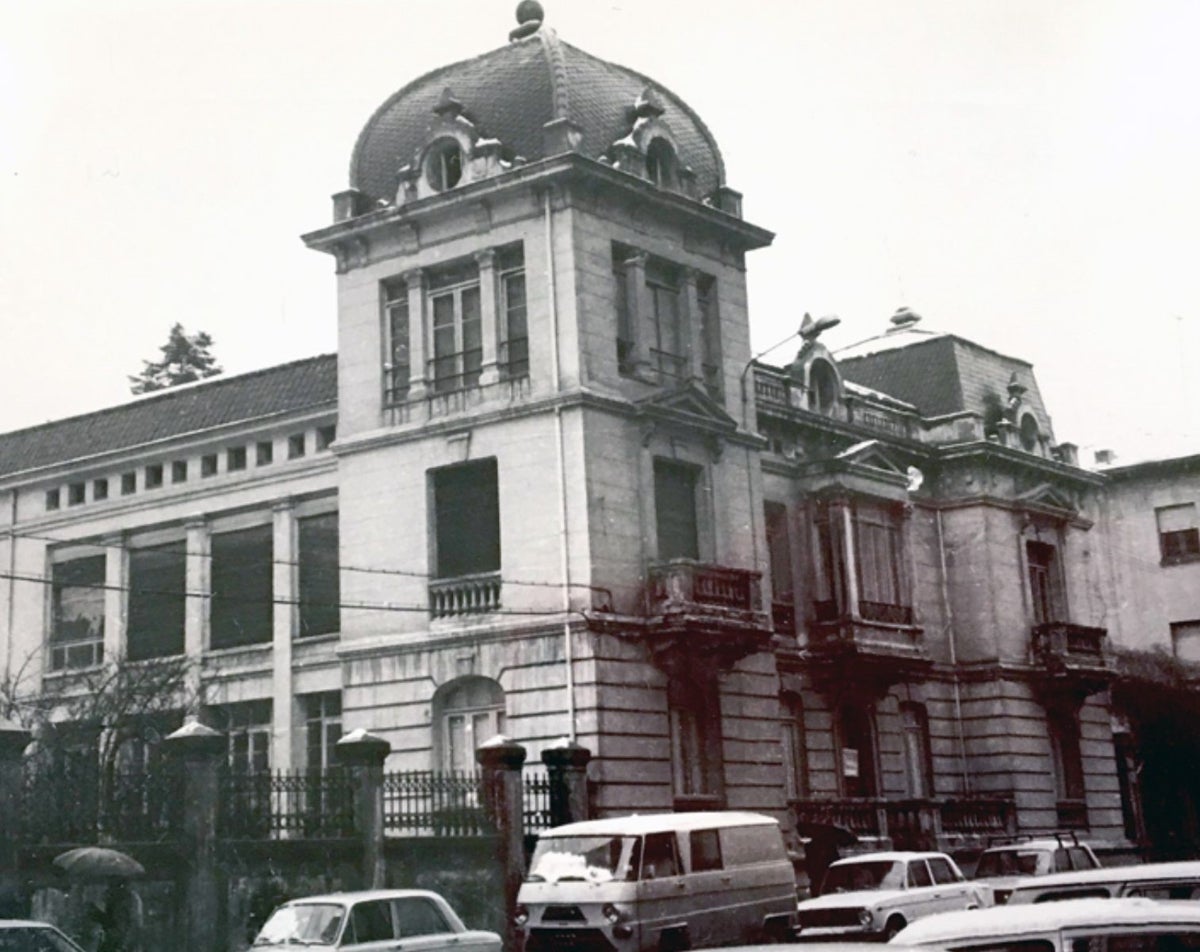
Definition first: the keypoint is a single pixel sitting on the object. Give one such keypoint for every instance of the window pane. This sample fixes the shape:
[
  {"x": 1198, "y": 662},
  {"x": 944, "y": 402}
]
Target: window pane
[
  {"x": 78, "y": 596},
  {"x": 320, "y": 587},
  {"x": 241, "y": 605},
  {"x": 675, "y": 509},
  {"x": 157, "y": 600},
  {"x": 417, "y": 917},
  {"x": 467, "y": 519},
  {"x": 472, "y": 337}
]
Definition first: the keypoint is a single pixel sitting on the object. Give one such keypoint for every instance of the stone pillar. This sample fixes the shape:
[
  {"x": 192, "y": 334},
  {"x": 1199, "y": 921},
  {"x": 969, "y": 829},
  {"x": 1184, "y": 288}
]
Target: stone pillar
[
  {"x": 418, "y": 359},
  {"x": 285, "y": 623},
  {"x": 13, "y": 741},
  {"x": 116, "y": 572},
  {"x": 364, "y": 753},
  {"x": 502, "y": 760},
  {"x": 200, "y": 750},
  {"x": 488, "y": 315},
  {"x": 566, "y": 764}
]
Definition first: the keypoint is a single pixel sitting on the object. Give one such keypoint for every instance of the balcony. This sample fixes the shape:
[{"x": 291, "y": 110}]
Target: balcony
[
  {"x": 703, "y": 609},
  {"x": 464, "y": 595},
  {"x": 911, "y": 823},
  {"x": 1071, "y": 656},
  {"x": 880, "y": 643}
]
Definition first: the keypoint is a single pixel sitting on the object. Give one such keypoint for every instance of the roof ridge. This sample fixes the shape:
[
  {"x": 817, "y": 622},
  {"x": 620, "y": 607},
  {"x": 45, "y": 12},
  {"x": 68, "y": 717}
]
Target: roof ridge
[
  {"x": 560, "y": 85},
  {"x": 167, "y": 393}
]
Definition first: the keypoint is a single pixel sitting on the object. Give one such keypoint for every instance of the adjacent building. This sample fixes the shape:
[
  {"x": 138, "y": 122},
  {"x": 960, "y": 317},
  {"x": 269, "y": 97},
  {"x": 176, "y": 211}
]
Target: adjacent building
[{"x": 544, "y": 489}]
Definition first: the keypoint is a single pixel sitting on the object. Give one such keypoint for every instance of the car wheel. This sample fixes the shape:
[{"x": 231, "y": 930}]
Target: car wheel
[{"x": 894, "y": 925}]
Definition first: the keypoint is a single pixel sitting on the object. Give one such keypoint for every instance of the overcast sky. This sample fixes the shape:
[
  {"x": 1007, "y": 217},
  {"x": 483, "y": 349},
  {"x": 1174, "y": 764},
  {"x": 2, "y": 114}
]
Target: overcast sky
[{"x": 1024, "y": 174}]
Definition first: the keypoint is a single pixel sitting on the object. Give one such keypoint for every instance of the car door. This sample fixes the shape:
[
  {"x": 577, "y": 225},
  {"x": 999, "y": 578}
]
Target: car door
[
  {"x": 951, "y": 890},
  {"x": 370, "y": 927},
  {"x": 921, "y": 899},
  {"x": 421, "y": 927},
  {"x": 663, "y": 892}
]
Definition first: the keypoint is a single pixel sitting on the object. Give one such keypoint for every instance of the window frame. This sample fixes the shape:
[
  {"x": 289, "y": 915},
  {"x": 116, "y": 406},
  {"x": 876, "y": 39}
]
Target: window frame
[
  {"x": 397, "y": 328},
  {"x": 1182, "y": 544},
  {"x": 460, "y": 549},
  {"x": 223, "y": 605},
  {"x": 318, "y": 590},
  {"x": 156, "y": 603},
  {"x": 454, "y": 283},
  {"x": 677, "y": 532},
  {"x": 89, "y": 649},
  {"x": 514, "y": 315}
]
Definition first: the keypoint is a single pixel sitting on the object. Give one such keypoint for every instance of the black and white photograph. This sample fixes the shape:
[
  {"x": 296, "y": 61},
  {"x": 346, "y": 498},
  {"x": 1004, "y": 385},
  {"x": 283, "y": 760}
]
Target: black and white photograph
[{"x": 546, "y": 476}]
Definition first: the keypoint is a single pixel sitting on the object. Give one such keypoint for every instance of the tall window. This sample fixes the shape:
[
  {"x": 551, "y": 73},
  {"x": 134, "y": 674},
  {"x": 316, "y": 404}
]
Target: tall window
[
  {"x": 157, "y": 600},
  {"x": 247, "y": 726},
  {"x": 880, "y": 562},
  {"x": 795, "y": 753},
  {"x": 694, "y": 707},
  {"x": 779, "y": 551},
  {"x": 1178, "y": 533},
  {"x": 856, "y": 739},
  {"x": 322, "y": 727},
  {"x": 1045, "y": 582},
  {"x": 514, "y": 360},
  {"x": 320, "y": 588},
  {"x": 457, "y": 327},
  {"x": 663, "y": 284},
  {"x": 710, "y": 335},
  {"x": 77, "y": 613},
  {"x": 467, "y": 712},
  {"x": 625, "y": 310},
  {"x": 466, "y": 514},
  {"x": 399, "y": 370},
  {"x": 918, "y": 760},
  {"x": 675, "y": 509},
  {"x": 241, "y": 609},
  {"x": 1068, "y": 767},
  {"x": 1185, "y": 640}
]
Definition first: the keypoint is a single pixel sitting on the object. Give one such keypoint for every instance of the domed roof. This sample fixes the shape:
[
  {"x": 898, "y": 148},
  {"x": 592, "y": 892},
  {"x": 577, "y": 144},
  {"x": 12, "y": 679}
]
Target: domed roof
[{"x": 510, "y": 93}]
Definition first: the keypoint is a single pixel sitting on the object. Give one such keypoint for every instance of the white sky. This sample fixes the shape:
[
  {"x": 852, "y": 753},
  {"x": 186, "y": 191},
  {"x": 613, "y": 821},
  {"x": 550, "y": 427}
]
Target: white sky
[{"x": 1020, "y": 172}]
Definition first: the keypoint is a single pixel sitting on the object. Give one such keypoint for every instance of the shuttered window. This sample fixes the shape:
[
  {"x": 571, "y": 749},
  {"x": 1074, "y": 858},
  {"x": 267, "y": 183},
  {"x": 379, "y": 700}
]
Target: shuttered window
[{"x": 675, "y": 509}]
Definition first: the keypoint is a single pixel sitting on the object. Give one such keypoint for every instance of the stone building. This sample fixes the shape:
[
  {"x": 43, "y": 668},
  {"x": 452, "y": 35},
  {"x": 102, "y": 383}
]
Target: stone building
[{"x": 544, "y": 489}]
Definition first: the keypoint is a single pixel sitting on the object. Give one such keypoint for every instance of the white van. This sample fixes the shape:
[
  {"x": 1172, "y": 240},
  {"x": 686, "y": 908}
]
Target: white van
[
  {"x": 1177, "y": 880},
  {"x": 660, "y": 882}
]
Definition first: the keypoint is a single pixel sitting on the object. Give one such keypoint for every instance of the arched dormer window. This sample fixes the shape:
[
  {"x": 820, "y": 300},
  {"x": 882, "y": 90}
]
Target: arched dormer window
[
  {"x": 444, "y": 165},
  {"x": 1030, "y": 435},
  {"x": 661, "y": 164},
  {"x": 822, "y": 386}
]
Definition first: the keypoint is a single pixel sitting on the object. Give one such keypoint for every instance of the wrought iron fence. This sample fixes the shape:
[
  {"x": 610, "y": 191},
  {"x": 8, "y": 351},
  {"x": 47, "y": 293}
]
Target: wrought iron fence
[
  {"x": 425, "y": 802},
  {"x": 282, "y": 804},
  {"x": 535, "y": 786}
]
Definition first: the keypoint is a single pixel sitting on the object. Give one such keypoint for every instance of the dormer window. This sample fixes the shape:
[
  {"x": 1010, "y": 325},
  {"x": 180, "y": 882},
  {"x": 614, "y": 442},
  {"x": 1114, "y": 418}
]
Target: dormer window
[
  {"x": 660, "y": 164},
  {"x": 822, "y": 386},
  {"x": 444, "y": 165},
  {"x": 1029, "y": 433}
]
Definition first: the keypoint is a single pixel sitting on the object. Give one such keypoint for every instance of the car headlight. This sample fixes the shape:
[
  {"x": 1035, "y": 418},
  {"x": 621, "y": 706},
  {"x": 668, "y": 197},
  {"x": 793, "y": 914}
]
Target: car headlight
[
  {"x": 520, "y": 916},
  {"x": 865, "y": 918}
]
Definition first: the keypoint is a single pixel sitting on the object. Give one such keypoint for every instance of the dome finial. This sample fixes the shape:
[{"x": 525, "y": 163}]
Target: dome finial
[{"x": 529, "y": 19}]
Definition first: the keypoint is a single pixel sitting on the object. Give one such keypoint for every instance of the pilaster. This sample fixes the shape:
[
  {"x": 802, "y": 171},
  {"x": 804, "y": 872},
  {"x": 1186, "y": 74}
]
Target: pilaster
[
  {"x": 116, "y": 573},
  {"x": 285, "y": 624},
  {"x": 489, "y": 331},
  {"x": 414, "y": 280}
]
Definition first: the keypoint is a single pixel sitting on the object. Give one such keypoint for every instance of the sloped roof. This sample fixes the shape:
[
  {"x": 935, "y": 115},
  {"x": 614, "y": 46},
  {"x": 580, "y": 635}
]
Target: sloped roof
[
  {"x": 510, "y": 93},
  {"x": 917, "y": 367},
  {"x": 178, "y": 411}
]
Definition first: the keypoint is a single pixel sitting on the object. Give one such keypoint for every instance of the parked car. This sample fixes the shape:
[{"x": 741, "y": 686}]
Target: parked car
[
  {"x": 1130, "y": 925},
  {"x": 372, "y": 919},
  {"x": 1180, "y": 880},
  {"x": 877, "y": 894},
  {"x": 658, "y": 883},
  {"x": 25, "y": 935},
  {"x": 1001, "y": 866}
]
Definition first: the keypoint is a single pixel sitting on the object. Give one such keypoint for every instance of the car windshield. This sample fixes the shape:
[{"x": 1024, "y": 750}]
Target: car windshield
[
  {"x": 303, "y": 924},
  {"x": 1008, "y": 863},
  {"x": 596, "y": 859},
  {"x": 869, "y": 874}
]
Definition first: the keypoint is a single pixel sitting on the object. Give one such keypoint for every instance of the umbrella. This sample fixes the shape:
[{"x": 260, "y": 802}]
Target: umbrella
[{"x": 98, "y": 863}]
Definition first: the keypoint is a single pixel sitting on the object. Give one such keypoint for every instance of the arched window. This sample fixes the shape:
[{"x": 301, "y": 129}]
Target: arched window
[
  {"x": 660, "y": 163},
  {"x": 1029, "y": 433},
  {"x": 856, "y": 739},
  {"x": 444, "y": 165},
  {"x": 822, "y": 386},
  {"x": 466, "y": 712}
]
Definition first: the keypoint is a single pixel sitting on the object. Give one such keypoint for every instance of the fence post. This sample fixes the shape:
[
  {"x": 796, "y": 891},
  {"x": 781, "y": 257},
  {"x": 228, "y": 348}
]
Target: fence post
[
  {"x": 503, "y": 791},
  {"x": 566, "y": 767},
  {"x": 365, "y": 753},
  {"x": 200, "y": 749},
  {"x": 13, "y": 741}
]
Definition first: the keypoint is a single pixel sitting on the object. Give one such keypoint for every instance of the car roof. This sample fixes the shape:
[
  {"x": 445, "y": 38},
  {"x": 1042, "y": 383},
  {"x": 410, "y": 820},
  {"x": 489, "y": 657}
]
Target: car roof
[
  {"x": 661, "y": 823},
  {"x": 1114, "y": 874},
  {"x": 889, "y": 856},
  {"x": 1047, "y": 917},
  {"x": 362, "y": 895},
  {"x": 1038, "y": 844}
]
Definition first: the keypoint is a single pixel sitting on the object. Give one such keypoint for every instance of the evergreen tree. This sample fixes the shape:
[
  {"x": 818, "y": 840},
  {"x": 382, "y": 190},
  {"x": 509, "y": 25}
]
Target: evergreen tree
[{"x": 185, "y": 357}]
